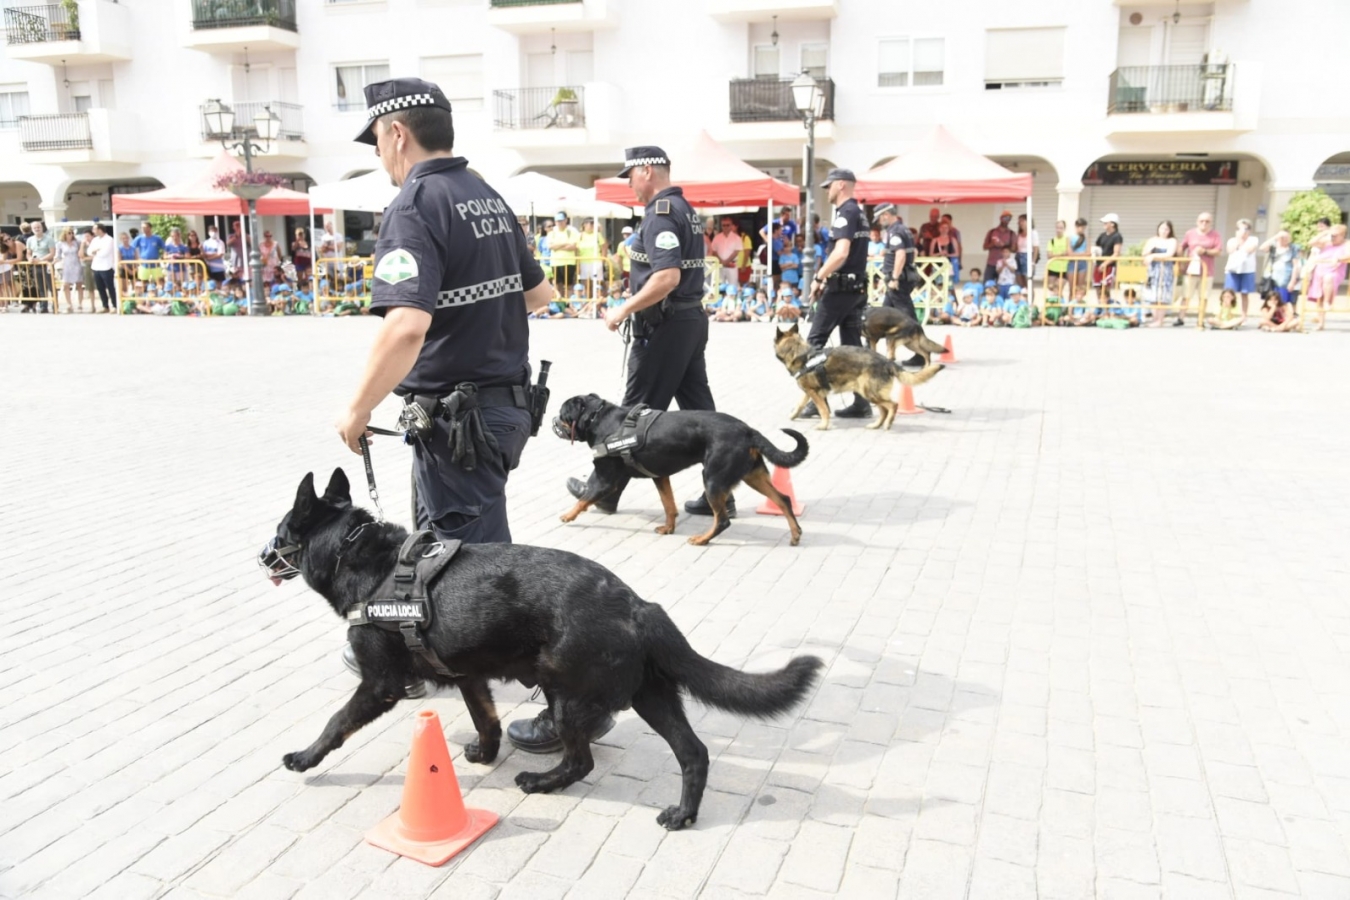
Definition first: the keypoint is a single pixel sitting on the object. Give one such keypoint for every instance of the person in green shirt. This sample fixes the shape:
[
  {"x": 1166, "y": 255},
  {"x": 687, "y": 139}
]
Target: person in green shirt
[
  {"x": 592, "y": 248},
  {"x": 1057, "y": 250},
  {"x": 562, "y": 245}
]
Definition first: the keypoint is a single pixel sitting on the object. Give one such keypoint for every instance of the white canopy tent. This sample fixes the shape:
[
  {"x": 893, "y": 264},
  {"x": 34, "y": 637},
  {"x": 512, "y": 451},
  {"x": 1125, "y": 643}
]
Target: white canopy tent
[
  {"x": 533, "y": 194},
  {"x": 370, "y": 192}
]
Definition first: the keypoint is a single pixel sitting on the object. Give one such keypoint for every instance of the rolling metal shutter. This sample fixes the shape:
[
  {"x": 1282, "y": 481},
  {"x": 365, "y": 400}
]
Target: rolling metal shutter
[{"x": 1142, "y": 208}]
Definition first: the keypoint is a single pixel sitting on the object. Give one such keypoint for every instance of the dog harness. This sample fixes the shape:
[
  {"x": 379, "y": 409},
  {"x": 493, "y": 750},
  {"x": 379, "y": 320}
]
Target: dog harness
[
  {"x": 816, "y": 365},
  {"x": 629, "y": 439},
  {"x": 405, "y": 604}
]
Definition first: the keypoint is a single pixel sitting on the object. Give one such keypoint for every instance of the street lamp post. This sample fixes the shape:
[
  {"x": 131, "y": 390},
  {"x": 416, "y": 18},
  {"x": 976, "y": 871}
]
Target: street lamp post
[
  {"x": 809, "y": 99},
  {"x": 236, "y": 138}
]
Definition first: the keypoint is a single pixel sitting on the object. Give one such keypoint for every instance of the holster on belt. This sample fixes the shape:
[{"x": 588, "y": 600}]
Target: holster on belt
[
  {"x": 845, "y": 282},
  {"x": 468, "y": 437}
]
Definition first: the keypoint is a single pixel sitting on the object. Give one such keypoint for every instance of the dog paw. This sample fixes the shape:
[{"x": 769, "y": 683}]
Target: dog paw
[
  {"x": 796, "y": 539},
  {"x": 822, "y": 427},
  {"x": 699, "y": 540},
  {"x": 567, "y": 517},
  {"x": 475, "y": 752},
  {"x": 673, "y": 818},
  {"x": 665, "y": 529},
  {"x": 874, "y": 426},
  {"x": 297, "y": 762},
  {"x": 531, "y": 783}
]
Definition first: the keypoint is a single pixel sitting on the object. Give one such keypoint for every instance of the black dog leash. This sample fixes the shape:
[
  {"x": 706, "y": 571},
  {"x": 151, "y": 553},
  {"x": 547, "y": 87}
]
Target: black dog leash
[{"x": 370, "y": 471}]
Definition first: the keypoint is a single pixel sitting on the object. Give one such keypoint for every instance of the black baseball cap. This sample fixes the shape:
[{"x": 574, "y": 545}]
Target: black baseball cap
[
  {"x": 882, "y": 210},
  {"x": 642, "y": 156},
  {"x": 838, "y": 175},
  {"x": 384, "y": 97}
]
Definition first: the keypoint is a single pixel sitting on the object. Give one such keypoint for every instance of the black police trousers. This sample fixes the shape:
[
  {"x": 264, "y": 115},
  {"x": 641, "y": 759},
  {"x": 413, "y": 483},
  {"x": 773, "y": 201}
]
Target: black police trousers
[
  {"x": 901, "y": 298},
  {"x": 669, "y": 364},
  {"x": 842, "y": 310},
  {"x": 469, "y": 506}
]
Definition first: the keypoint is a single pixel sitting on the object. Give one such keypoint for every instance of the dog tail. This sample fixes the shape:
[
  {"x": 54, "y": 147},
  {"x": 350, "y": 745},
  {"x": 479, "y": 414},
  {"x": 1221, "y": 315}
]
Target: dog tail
[
  {"x": 913, "y": 378},
  {"x": 932, "y": 346},
  {"x": 759, "y": 694},
  {"x": 778, "y": 457}
]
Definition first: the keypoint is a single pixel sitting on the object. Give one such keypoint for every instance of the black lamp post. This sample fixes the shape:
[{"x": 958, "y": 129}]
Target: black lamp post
[
  {"x": 809, "y": 99},
  {"x": 240, "y": 138}
]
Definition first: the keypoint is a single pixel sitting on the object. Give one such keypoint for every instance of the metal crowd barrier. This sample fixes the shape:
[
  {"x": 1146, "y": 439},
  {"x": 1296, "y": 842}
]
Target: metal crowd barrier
[
  {"x": 30, "y": 282},
  {"x": 166, "y": 280},
  {"x": 341, "y": 279},
  {"x": 935, "y": 283}
]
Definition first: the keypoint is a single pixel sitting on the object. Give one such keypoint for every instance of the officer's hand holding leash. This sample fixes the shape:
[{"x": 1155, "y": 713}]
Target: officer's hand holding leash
[
  {"x": 351, "y": 427},
  {"x": 657, "y": 288}
]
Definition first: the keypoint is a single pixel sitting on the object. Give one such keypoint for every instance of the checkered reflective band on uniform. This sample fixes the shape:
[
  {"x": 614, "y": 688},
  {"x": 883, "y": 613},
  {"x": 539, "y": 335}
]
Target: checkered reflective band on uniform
[
  {"x": 861, "y": 234},
  {"x": 639, "y": 257},
  {"x": 474, "y": 293},
  {"x": 397, "y": 103},
  {"x": 646, "y": 161}
]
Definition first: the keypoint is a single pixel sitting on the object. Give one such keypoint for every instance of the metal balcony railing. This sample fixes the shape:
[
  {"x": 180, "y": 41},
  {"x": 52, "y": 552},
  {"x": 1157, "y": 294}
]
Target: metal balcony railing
[
  {"x": 291, "y": 115},
  {"x": 546, "y": 107},
  {"x": 39, "y": 24},
  {"x": 770, "y": 100},
  {"x": 242, "y": 13},
  {"x": 1207, "y": 87},
  {"x": 66, "y": 131}
]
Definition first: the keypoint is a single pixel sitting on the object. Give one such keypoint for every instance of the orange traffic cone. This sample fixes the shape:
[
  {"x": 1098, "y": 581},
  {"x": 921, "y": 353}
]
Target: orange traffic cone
[
  {"x": 906, "y": 405},
  {"x": 948, "y": 354},
  {"x": 782, "y": 479},
  {"x": 432, "y": 825}
]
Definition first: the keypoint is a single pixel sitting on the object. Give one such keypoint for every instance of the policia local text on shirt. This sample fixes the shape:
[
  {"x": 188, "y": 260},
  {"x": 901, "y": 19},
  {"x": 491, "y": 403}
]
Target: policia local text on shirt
[{"x": 840, "y": 285}]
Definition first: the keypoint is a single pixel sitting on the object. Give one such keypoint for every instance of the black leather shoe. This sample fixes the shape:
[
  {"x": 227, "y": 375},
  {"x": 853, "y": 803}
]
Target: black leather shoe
[
  {"x": 914, "y": 362},
  {"x": 700, "y": 507},
  {"x": 538, "y": 735},
  {"x": 810, "y": 412},
  {"x": 415, "y": 691},
  {"x": 859, "y": 409},
  {"x": 607, "y": 505}
]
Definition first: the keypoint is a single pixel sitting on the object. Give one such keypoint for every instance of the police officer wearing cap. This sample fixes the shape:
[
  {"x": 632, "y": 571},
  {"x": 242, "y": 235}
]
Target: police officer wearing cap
[
  {"x": 898, "y": 265},
  {"x": 840, "y": 284},
  {"x": 670, "y": 329},
  {"x": 454, "y": 280}
]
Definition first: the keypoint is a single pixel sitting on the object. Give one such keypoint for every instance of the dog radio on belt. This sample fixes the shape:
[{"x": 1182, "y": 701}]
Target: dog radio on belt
[
  {"x": 669, "y": 329},
  {"x": 840, "y": 284},
  {"x": 454, "y": 279}
]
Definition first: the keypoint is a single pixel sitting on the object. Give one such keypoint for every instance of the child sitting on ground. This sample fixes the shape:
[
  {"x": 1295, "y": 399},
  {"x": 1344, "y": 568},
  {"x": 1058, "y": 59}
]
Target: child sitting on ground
[
  {"x": 1054, "y": 304},
  {"x": 786, "y": 309},
  {"x": 974, "y": 284},
  {"x": 1016, "y": 309},
  {"x": 991, "y": 308},
  {"x": 968, "y": 314},
  {"x": 1083, "y": 311},
  {"x": 1276, "y": 314},
  {"x": 1228, "y": 318},
  {"x": 1130, "y": 309},
  {"x": 760, "y": 309}
]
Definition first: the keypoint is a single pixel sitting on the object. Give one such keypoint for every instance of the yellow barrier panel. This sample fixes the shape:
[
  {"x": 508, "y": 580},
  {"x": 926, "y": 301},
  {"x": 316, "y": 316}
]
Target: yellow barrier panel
[
  {"x": 144, "y": 286},
  {"x": 1161, "y": 286},
  {"x": 599, "y": 277},
  {"x": 31, "y": 283},
  {"x": 342, "y": 285},
  {"x": 935, "y": 284}
]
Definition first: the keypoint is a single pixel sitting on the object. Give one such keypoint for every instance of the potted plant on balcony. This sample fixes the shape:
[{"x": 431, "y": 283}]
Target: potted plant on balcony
[
  {"x": 566, "y": 104},
  {"x": 69, "y": 30},
  {"x": 248, "y": 185}
]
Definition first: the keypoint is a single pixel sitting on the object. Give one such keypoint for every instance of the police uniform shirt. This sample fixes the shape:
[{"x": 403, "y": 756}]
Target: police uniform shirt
[
  {"x": 898, "y": 238},
  {"x": 449, "y": 245},
  {"x": 849, "y": 225},
  {"x": 670, "y": 237}
]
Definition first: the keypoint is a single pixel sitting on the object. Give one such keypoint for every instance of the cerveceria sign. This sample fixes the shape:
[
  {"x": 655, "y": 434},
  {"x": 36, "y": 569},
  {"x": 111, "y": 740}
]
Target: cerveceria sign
[{"x": 1163, "y": 171}]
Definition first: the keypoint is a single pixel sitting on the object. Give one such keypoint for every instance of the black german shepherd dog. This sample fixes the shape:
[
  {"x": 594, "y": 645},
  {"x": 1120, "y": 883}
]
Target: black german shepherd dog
[
  {"x": 543, "y": 617},
  {"x": 730, "y": 450}
]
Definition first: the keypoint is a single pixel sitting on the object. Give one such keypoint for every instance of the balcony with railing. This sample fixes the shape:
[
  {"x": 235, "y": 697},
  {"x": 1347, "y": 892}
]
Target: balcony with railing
[
  {"x": 542, "y": 16},
  {"x": 770, "y": 100},
  {"x": 89, "y": 31},
  {"x": 92, "y": 136},
  {"x": 1172, "y": 98},
  {"x": 227, "y": 26},
  {"x": 546, "y": 107}
]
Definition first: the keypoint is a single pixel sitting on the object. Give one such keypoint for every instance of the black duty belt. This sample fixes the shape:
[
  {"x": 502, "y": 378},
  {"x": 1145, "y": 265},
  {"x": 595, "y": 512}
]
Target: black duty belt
[
  {"x": 516, "y": 395},
  {"x": 678, "y": 304},
  {"x": 404, "y": 603},
  {"x": 629, "y": 439}
]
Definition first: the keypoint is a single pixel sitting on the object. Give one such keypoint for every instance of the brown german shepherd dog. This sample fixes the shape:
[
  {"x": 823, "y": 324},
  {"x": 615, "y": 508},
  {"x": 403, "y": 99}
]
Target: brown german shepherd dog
[
  {"x": 897, "y": 328},
  {"x": 845, "y": 369}
]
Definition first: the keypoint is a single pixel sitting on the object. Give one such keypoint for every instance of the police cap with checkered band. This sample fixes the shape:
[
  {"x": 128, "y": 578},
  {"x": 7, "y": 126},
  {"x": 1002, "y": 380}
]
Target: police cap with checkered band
[
  {"x": 642, "y": 156},
  {"x": 384, "y": 97}
]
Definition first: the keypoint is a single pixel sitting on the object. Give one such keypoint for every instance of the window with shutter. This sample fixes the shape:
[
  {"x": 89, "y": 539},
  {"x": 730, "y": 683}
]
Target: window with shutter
[
  {"x": 1023, "y": 57},
  {"x": 460, "y": 78}
]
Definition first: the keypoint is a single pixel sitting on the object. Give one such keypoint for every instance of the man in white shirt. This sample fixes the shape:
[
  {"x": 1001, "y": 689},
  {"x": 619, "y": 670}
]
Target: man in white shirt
[
  {"x": 727, "y": 247},
  {"x": 102, "y": 252},
  {"x": 213, "y": 254},
  {"x": 331, "y": 248}
]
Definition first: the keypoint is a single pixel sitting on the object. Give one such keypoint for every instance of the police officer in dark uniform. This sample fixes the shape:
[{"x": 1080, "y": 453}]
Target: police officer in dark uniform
[
  {"x": 840, "y": 284},
  {"x": 670, "y": 329},
  {"x": 454, "y": 280},
  {"x": 898, "y": 266}
]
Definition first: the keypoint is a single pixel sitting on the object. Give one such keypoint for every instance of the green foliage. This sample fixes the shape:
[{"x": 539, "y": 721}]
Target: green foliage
[
  {"x": 1305, "y": 208},
  {"x": 162, "y": 224},
  {"x": 72, "y": 15}
]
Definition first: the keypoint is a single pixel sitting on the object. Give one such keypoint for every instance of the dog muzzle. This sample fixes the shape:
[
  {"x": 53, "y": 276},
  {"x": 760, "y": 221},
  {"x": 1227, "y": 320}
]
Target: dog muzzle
[
  {"x": 279, "y": 562},
  {"x": 564, "y": 430}
]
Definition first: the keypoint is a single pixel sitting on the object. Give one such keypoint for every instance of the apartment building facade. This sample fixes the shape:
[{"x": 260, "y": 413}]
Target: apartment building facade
[{"x": 1151, "y": 109}]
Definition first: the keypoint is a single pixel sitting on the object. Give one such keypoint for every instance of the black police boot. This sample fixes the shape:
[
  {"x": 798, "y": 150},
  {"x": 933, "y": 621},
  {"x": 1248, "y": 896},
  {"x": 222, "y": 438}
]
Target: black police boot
[
  {"x": 858, "y": 409},
  {"x": 914, "y": 362},
  {"x": 607, "y": 505},
  {"x": 538, "y": 735},
  {"x": 415, "y": 691},
  {"x": 700, "y": 506},
  {"x": 810, "y": 412}
]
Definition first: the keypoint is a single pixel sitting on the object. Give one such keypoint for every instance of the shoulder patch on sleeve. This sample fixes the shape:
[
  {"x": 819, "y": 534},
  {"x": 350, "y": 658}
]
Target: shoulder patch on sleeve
[
  {"x": 662, "y": 207},
  {"x": 667, "y": 240},
  {"x": 895, "y": 240},
  {"x": 396, "y": 266},
  {"x": 840, "y": 222}
]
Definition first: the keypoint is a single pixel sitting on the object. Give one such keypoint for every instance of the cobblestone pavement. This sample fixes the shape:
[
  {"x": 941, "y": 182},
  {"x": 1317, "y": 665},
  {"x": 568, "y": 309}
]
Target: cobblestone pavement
[{"x": 1086, "y": 637}]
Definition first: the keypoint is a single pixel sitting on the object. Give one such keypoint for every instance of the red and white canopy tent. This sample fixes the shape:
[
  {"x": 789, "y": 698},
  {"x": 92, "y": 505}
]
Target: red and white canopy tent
[
  {"x": 941, "y": 169},
  {"x": 200, "y": 197},
  {"x": 712, "y": 176}
]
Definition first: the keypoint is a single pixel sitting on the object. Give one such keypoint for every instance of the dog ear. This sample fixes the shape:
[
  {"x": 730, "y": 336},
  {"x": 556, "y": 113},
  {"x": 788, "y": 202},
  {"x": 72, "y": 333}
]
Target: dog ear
[
  {"x": 305, "y": 498},
  {"x": 339, "y": 490},
  {"x": 793, "y": 329}
]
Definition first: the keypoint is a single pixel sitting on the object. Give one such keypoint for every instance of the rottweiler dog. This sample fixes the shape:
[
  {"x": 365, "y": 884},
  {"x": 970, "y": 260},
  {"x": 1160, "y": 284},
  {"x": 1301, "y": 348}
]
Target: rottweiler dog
[
  {"x": 730, "y": 450},
  {"x": 898, "y": 328},
  {"x": 841, "y": 369},
  {"x": 507, "y": 611}
]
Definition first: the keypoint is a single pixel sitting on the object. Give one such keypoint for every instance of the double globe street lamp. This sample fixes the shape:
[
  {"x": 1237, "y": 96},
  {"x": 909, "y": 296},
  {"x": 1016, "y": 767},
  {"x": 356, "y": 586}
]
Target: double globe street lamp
[
  {"x": 809, "y": 98},
  {"x": 240, "y": 137}
]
